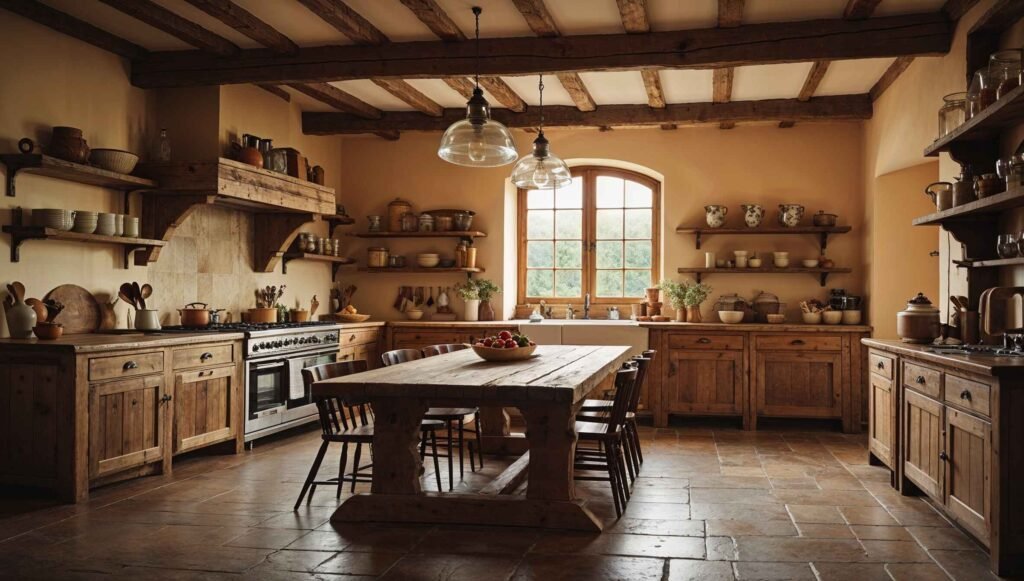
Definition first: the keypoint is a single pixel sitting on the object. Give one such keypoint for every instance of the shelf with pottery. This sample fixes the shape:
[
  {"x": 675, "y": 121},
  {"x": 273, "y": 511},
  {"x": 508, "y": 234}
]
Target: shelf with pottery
[
  {"x": 994, "y": 263},
  {"x": 336, "y": 262},
  {"x": 822, "y": 231},
  {"x": 53, "y": 167},
  {"x": 822, "y": 272},
  {"x": 983, "y": 129},
  {"x": 447, "y": 234},
  {"x": 419, "y": 270}
]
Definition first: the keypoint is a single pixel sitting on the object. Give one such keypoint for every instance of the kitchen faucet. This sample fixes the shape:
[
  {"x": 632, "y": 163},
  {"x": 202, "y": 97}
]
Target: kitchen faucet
[{"x": 586, "y": 306}]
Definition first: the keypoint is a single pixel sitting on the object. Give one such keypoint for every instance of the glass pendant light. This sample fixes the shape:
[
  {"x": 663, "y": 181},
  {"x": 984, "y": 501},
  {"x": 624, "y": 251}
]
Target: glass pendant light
[
  {"x": 541, "y": 170},
  {"x": 477, "y": 140}
]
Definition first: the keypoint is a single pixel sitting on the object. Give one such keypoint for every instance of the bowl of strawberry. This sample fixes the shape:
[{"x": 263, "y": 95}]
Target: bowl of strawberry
[{"x": 505, "y": 346}]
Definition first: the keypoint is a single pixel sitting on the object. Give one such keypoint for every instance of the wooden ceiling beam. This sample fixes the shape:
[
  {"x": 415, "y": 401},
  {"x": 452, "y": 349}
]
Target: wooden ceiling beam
[
  {"x": 573, "y": 84},
  {"x": 436, "y": 19},
  {"x": 652, "y": 84},
  {"x": 537, "y": 17},
  {"x": 73, "y": 27},
  {"x": 461, "y": 85},
  {"x": 411, "y": 96},
  {"x": 752, "y": 44},
  {"x": 890, "y": 75},
  {"x": 858, "y": 9},
  {"x": 730, "y": 15},
  {"x": 277, "y": 91},
  {"x": 338, "y": 99},
  {"x": 721, "y": 81},
  {"x": 850, "y": 107},
  {"x": 955, "y": 9},
  {"x": 346, "y": 21},
  {"x": 634, "y": 15},
  {"x": 504, "y": 94},
  {"x": 247, "y": 23},
  {"x": 163, "y": 19}
]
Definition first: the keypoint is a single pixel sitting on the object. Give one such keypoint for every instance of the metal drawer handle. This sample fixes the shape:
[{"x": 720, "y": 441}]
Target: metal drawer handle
[
  {"x": 881, "y": 365},
  {"x": 797, "y": 342},
  {"x": 135, "y": 401},
  {"x": 130, "y": 365},
  {"x": 166, "y": 398},
  {"x": 352, "y": 338},
  {"x": 703, "y": 340},
  {"x": 943, "y": 456},
  {"x": 206, "y": 356},
  {"x": 965, "y": 394},
  {"x": 920, "y": 379},
  {"x": 205, "y": 373},
  {"x": 672, "y": 368}
]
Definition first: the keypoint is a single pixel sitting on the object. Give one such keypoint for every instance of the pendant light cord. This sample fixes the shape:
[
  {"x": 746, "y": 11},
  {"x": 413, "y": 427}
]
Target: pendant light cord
[
  {"x": 476, "y": 78},
  {"x": 540, "y": 87}
]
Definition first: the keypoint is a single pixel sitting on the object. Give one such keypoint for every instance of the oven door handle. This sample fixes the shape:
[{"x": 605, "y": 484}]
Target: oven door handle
[{"x": 263, "y": 366}]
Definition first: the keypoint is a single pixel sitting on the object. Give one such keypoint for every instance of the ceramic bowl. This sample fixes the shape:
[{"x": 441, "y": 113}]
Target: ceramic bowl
[
  {"x": 851, "y": 317},
  {"x": 754, "y": 263},
  {"x": 106, "y": 224},
  {"x": 54, "y": 218},
  {"x": 48, "y": 331},
  {"x": 832, "y": 317},
  {"x": 812, "y": 318},
  {"x": 350, "y": 318},
  {"x": 731, "y": 317},
  {"x": 414, "y": 314},
  {"x": 810, "y": 263},
  {"x": 427, "y": 260},
  {"x": 114, "y": 160},
  {"x": 776, "y": 318},
  {"x": 446, "y": 263},
  {"x": 781, "y": 262}
]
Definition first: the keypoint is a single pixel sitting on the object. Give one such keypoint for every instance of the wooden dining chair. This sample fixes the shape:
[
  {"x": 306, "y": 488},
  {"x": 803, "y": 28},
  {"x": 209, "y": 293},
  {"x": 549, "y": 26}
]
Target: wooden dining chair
[
  {"x": 458, "y": 415},
  {"x": 347, "y": 422},
  {"x": 609, "y": 437}
]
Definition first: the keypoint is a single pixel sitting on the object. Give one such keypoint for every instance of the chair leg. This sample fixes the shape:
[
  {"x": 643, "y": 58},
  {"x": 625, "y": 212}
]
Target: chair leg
[
  {"x": 462, "y": 432},
  {"x": 312, "y": 474},
  {"x": 355, "y": 464},
  {"x": 341, "y": 468},
  {"x": 629, "y": 439},
  {"x": 423, "y": 445},
  {"x": 451, "y": 466},
  {"x": 621, "y": 457},
  {"x": 437, "y": 467},
  {"x": 613, "y": 480},
  {"x": 636, "y": 440},
  {"x": 472, "y": 453},
  {"x": 479, "y": 438},
  {"x": 627, "y": 450}
]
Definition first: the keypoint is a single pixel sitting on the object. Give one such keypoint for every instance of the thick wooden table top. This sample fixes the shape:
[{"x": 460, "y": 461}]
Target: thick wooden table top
[{"x": 560, "y": 373}]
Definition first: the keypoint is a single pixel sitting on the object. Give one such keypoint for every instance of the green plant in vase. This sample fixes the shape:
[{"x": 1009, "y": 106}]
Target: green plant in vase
[
  {"x": 675, "y": 293},
  {"x": 477, "y": 294},
  {"x": 696, "y": 294}
]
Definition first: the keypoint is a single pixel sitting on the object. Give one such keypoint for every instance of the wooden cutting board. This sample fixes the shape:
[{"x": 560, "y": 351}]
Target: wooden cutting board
[{"x": 82, "y": 313}]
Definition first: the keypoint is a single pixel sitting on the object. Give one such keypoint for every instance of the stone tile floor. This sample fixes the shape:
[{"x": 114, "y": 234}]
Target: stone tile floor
[{"x": 711, "y": 504}]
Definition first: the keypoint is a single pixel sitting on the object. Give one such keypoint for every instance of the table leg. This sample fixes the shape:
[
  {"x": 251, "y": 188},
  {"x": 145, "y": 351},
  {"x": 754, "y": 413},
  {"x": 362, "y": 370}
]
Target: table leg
[
  {"x": 496, "y": 436},
  {"x": 551, "y": 432},
  {"x": 397, "y": 466}
]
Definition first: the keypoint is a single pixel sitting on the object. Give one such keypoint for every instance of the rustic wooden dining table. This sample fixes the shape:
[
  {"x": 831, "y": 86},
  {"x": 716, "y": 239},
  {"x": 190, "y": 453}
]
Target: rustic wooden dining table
[{"x": 548, "y": 389}]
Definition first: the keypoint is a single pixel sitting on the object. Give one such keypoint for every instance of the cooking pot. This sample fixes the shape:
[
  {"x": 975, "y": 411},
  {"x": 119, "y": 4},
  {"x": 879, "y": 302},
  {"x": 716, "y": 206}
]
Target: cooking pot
[
  {"x": 193, "y": 316},
  {"x": 919, "y": 322},
  {"x": 942, "y": 194}
]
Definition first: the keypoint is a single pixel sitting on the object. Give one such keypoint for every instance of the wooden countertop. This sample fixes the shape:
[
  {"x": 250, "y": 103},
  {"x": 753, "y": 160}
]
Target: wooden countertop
[
  {"x": 984, "y": 364},
  {"x": 452, "y": 324},
  {"x": 96, "y": 342},
  {"x": 759, "y": 327}
]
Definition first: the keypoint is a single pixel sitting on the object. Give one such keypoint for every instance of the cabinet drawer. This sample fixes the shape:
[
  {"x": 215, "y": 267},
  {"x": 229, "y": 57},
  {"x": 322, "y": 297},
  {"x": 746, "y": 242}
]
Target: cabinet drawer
[
  {"x": 881, "y": 365},
  {"x": 348, "y": 338},
  {"x": 799, "y": 342},
  {"x": 120, "y": 366},
  {"x": 705, "y": 341},
  {"x": 203, "y": 356},
  {"x": 924, "y": 379},
  {"x": 967, "y": 394},
  {"x": 416, "y": 340}
]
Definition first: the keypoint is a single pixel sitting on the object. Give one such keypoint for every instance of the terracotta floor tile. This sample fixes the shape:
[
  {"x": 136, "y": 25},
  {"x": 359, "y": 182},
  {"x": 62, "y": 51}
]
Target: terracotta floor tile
[
  {"x": 964, "y": 565},
  {"x": 668, "y": 495},
  {"x": 733, "y": 496},
  {"x": 643, "y": 526},
  {"x": 868, "y": 516},
  {"x": 372, "y": 564},
  {"x": 743, "y": 471},
  {"x": 895, "y": 552},
  {"x": 850, "y": 483},
  {"x": 785, "y": 549},
  {"x": 643, "y": 482},
  {"x": 916, "y": 517},
  {"x": 451, "y": 567},
  {"x": 621, "y": 544},
  {"x": 880, "y": 533},
  {"x": 687, "y": 570},
  {"x": 738, "y": 511},
  {"x": 804, "y": 483},
  {"x": 266, "y": 538},
  {"x": 815, "y": 514},
  {"x": 305, "y": 561},
  {"x": 773, "y": 572},
  {"x": 582, "y": 568},
  {"x": 916, "y": 572},
  {"x": 725, "y": 481},
  {"x": 458, "y": 540},
  {"x": 851, "y": 572},
  {"x": 750, "y": 528},
  {"x": 720, "y": 548},
  {"x": 943, "y": 538},
  {"x": 827, "y": 497},
  {"x": 657, "y": 510},
  {"x": 825, "y": 531},
  {"x": 385, "y": 538}
]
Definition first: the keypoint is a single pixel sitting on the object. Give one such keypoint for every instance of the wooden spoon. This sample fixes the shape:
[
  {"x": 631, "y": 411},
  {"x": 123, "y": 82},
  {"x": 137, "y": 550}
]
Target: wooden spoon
[
  {"x": 137, "y": 293},
  {"x": 19, "y": 290},
  {"x": 124, "y": 292},
  {"x": 147, "y": 291}
]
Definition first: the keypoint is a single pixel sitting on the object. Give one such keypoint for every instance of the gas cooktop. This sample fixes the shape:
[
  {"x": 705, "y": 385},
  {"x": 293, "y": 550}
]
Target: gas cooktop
[
  {"x": 246, "y": 327},
  {"x": 990, "y": 350}
]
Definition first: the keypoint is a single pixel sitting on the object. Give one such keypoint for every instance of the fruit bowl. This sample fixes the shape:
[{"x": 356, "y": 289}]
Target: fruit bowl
[
  {"x": 350, "y": 318},
  {"x": 502, "y": 354}
]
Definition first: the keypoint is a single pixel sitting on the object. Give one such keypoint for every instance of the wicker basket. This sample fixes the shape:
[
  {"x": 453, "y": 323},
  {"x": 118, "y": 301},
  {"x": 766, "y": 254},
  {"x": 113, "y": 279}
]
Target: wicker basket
[{"x": 114, "y": 160}]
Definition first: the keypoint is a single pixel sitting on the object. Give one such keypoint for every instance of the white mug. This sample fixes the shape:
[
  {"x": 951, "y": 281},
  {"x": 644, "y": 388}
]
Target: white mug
[{"x": 709, "y": 259}]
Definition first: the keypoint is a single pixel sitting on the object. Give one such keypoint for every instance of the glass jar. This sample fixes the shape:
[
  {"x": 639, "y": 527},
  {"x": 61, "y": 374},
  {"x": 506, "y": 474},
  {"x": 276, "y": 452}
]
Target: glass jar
[
  {"x": 409, "y": 222},
  {"x": 310, "y": 243},
  {"x": 335, "y": 247},
  {"x": 953, "y": 112},
  {"x": 1004, "y": 70},
  {"x": 981, "y": 93},
  {"x": 426, "y": 223},
  {"x": 377, "y": 257},
  {"x": 1007, "y": 245},
  {"x": 396, "y": 261}
]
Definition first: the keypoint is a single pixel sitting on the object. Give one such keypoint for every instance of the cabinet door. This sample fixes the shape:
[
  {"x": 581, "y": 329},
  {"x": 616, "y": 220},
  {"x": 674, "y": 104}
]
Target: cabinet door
[
  {"x": 704, "y": 382},
  {"x": 881, "y": 418},
  {"x": 203, "y": 410},
  {"x": 923, "y": 442},
  {"x": 968, "y": 441},
  {"x": 799, "y": 384},
  {"x": 126, "y": 424},
  {"x": 367, "y": 352}
]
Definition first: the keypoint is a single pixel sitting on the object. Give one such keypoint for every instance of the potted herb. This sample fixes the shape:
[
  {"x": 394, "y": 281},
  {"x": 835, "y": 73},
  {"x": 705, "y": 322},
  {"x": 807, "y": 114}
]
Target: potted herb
[
  {"x": 696, "y": 294},
  {"x": 675, "y": 292},
  {"x": 477, "y": 293}
]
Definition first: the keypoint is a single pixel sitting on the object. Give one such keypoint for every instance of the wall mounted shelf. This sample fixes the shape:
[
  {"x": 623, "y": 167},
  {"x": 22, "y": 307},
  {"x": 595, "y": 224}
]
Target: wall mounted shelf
[
  {"x": 45, "y": 165},
  {"x": 418, "y": 270},
  {"x": 823, "y": 273},
  {"x": 822, "y": 232},
  {"x": 985, "y": 126},
  {"x": 469, "y": 234},
  {"x": 336, "y": 262},
  {"x": 995, "y": 263},
  {"x": 20, "y": 234}
]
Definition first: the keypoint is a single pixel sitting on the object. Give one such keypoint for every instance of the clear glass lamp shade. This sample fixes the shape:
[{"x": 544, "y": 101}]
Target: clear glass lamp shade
[
  {"x": 484, "y": 144},
  {"x": 541, "y": 173}
]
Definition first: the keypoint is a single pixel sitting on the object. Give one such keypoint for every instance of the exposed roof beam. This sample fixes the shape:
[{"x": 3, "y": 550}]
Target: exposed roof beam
[
  {"x": 699, "y": 49},
  {"x": 461, "y": 85},
  {"x": 857, "y": 9},
  {"x": 338, "y": 99},
  {"x": 247, "y": 23},
  {"x": 822, "y": 108},
  {"x": 634, "y": 15},
  {"x": 277, "y": 92},
  {"x": 573, "y": 84},
  {"x": 411, "y": 96},
  {"x": 955, "y": 9},
  {"x": 730, "y": 15},
  {"x": 74, "y": 27},
  {"x": 346, "y": 21},
  {"x": 537, "y": 17},
  {"x": 505, "y": 94},
  {"x": 436, "y": 19},
  {"x": 652, "y": 83},
  {"x": 814, "y": 78},
  {"x": 163, "y": 19},
  {"x": 890, "y": 75},
  {"x": 722, "y": 85},
  {"x": 389, "y": 135}
]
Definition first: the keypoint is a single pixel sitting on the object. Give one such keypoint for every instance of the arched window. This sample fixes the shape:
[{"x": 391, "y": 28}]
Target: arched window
[{"x": 598, "y": 235}]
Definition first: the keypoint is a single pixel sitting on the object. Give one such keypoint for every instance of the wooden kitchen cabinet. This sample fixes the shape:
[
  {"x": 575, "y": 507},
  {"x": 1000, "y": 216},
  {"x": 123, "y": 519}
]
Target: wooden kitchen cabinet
[
  {"x": 968, "y": 448},
  {"x": 881, "y": 419},
  {"x": 923, "y": 442},
  {"x": 206, "y": 407},
  {"x": 361, "y": 343},
  {"x": 805, "y": 384},
  {"x": 418, "y": 336},
  {"x": 706, "y": 382},
  {"x": 126, "y": 424}
]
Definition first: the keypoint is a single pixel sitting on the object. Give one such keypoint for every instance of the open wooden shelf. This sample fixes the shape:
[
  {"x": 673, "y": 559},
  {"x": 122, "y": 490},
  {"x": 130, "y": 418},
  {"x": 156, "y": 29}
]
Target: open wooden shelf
[
  {"x": 418, "y": 270},
  {"x": 995, "y": 263},
  {"x": 1012, "y": 198},
  {"x": 45, "y": 165},
  {"x": 822, "y": 231},
  {"x": 823, "y": 273},
  {"x": 20, "y": 234},
  {"x": 336, "y": 261},
  {"x": 448, "y": 234},
  {"x": 985, "y": 126}
]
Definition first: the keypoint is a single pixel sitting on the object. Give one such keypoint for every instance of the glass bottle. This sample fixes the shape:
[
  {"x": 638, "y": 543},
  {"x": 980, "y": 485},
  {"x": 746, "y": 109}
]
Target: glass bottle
[
  {"x": 1007, "y": 246},
  {"x": 1004, "y": 69},
  {"x": 163, "y": 147},
  {"x": 981, "y": 93},
  {"x": 953, "y": 112}
]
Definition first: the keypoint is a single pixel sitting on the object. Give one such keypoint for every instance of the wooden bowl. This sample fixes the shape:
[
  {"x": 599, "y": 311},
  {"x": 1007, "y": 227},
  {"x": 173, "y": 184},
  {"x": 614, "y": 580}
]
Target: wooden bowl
[
  {"x": 48, "y": 331},
  {"x": 350, "y": 318},
  {"x": 497, "y": 355}
]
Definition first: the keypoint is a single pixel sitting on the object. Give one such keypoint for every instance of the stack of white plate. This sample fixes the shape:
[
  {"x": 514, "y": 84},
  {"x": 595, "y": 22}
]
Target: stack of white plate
[
  {"x": 106, "y": 224},
  {"x": 54, "y": 218},
  {"x": 85, "y": 222}
]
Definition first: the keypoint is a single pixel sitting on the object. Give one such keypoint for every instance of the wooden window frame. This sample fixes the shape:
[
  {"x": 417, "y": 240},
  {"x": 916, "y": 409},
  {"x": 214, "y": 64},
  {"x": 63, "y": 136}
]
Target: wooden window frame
[{"x": 590, "y": 174}]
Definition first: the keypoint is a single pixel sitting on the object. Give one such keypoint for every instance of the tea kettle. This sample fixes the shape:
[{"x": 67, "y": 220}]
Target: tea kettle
[{"x": 941, "y": 194}]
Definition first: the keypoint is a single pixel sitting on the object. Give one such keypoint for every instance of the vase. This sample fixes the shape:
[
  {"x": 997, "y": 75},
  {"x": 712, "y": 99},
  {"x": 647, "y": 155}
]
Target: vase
[
  {"x": 20, "y": 320},
  {"x": 486, "y": 311},
  {"x": 693, "y": 314},
  {"x": 680, "y": 314},
  {"x": 472, "y": 310},
  {"x": 715, "y": 215},
  {"x": 752, "y": 215},
  {"x": 653, "y": 294},
  {"x": 147, "y": 320}
]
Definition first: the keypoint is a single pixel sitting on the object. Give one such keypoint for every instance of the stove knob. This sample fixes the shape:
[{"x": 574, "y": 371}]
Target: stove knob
[
  {"x": 278, "y": 343},
  {"x": 287, "y": 341},
  {"x": 255, "y": 347}
]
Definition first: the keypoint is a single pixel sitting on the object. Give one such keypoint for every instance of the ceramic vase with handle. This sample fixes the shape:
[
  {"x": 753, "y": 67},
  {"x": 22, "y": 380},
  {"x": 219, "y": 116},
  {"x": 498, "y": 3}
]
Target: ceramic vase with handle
[
  {"x": 20, "y": 320},
  {"x": 716, "y": 215},
  {"x": 472, "y": 310},
  {"x": 790, "y": 215},
  {"x": 753, "y": 214}
]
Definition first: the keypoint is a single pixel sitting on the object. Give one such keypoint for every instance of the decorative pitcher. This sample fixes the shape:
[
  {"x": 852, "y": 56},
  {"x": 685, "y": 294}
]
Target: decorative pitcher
[
  {"x": 790, "y": 215},
  {"x": 753, "y": 214},
  {"x": 20, "y": 320},
  {"x": 716, "y": 215}
]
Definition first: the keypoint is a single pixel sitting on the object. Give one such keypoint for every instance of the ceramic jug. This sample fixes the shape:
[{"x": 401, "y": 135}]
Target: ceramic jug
[
  {"x": 147, "y": 320},
  {"x": 790, "y": 215},
  {"x": 20, "y": 320},
  {"x": 716, "y": 215},
  {"x": 753, "y": 214}
]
